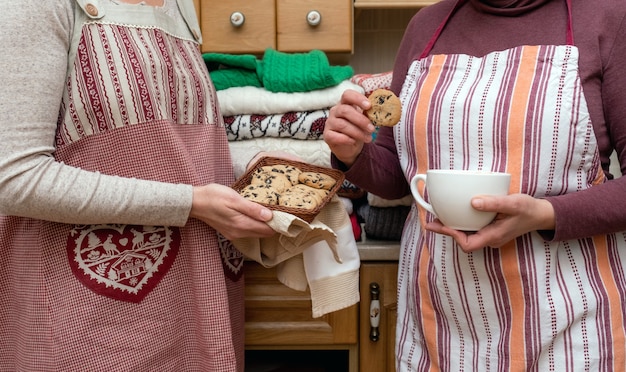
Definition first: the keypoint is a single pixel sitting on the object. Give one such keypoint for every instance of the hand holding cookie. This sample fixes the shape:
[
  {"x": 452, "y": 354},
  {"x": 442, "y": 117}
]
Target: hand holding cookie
[{"x": 386, "y": 108}]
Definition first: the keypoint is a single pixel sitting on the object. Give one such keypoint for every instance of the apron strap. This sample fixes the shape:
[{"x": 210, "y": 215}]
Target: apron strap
[
  {"x": 188, "y": 11},
  {"x": 460, "y": 3},
  {"x": 433, "y": 39},
  {"x": 570, "y": 27}
]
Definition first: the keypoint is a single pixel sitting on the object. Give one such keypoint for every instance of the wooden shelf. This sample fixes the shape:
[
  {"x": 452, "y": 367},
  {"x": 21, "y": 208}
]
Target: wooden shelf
[{"x": 381, "y": 4}]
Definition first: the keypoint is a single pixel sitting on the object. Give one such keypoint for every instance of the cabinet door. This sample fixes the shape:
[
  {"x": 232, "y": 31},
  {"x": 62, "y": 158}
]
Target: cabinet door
[
  {"x": 377, "y": 346},
  {"x": 298, "y": 31},
  {"x": 278, "y": 315},
  {"x": 223, "y": 33}
]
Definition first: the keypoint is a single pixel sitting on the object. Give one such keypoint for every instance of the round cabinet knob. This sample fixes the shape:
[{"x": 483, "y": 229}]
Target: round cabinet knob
[
  {"x": 313, "y": 18},
  {"x": 237, "y": 19}
]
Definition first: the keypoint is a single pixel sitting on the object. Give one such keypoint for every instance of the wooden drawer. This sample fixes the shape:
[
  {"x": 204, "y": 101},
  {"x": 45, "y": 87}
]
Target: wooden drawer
[
  {"x": 278, "y": 24},
  {"x": 332, "y": 34},
  {"x": 257, "y": 33},
  {"x": 277, "y": 315}
]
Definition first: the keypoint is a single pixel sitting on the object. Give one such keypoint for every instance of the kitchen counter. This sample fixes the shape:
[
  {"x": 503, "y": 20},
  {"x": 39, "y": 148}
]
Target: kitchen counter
[{"x": 379, "y": 250}]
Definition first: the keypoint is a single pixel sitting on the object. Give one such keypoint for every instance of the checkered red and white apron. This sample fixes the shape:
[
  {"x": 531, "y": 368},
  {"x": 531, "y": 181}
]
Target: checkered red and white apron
[
  {"x": 531, "y": 304},
  {"x": 139, "y": 103}
]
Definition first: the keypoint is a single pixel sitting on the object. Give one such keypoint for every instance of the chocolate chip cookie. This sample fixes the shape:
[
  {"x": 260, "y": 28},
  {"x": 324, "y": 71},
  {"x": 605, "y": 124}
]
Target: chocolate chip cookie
[{"x": 386, "y": 108}]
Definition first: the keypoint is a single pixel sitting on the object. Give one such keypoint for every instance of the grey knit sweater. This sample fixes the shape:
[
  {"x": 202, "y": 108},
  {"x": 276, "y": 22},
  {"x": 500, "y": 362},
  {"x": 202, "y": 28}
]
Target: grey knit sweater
[{"x": 34, "y": 42}]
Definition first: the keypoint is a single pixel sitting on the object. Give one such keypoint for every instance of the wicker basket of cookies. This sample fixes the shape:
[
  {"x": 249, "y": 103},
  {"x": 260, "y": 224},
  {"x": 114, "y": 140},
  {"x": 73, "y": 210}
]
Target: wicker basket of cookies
[{"x": 290, "y": 186}]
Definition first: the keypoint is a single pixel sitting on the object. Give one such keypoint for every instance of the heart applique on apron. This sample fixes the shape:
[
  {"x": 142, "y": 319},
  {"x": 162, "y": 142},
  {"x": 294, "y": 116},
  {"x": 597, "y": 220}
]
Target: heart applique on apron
[{"x": 124, "y": 262}]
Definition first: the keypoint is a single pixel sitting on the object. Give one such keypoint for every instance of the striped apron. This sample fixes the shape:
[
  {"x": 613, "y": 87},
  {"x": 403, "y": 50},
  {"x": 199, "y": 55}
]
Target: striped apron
[{"x": 531, "y": 304}]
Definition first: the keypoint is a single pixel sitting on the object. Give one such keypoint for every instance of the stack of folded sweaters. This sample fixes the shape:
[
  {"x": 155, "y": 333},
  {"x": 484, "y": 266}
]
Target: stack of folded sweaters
[{"x": 281, "y": 102}]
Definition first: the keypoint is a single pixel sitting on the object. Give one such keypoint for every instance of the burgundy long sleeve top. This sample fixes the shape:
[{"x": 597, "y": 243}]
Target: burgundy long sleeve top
[{"x": 483, "y": 26}]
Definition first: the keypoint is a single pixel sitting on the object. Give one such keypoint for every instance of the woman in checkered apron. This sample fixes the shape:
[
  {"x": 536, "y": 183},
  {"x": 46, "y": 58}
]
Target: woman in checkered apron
[{"x": 114, "y": 176}]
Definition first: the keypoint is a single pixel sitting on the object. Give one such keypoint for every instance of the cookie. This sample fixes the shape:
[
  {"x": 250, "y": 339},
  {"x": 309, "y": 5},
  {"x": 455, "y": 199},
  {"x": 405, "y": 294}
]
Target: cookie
[
  {"x": 290, "y": 171},
  {"x": 317, "y": 194},
  {"x": 317, "y": 180},
  {"x": 277, "y": 181},
  {"x": 297, "y": 198},
  {"x": 260, "y": 193},
  {"x": 386, "y": 108}
]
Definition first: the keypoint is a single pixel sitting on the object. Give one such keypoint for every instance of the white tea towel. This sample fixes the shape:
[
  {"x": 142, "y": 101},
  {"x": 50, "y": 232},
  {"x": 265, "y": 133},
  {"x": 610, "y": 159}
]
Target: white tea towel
[{"x": 322, "y": 256}]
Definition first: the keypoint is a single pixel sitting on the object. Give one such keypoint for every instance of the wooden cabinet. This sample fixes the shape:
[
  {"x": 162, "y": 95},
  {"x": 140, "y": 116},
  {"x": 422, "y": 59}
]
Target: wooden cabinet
[
  {"x": 279, "y": 318},
  {"x": 240, "y": 26},
  {"x": 279, "y": 315},
  {"x": 378, "y": 308}
]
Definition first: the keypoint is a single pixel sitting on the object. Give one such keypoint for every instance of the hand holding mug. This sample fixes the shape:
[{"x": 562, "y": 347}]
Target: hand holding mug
[{"x": 450, "y": 193}]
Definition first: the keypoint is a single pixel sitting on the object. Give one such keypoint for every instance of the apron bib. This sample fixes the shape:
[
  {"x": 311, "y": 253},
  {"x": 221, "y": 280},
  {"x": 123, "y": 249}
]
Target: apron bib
[
  {"x": 530, "y": 304},
  {"x": 123, "y": 106}
]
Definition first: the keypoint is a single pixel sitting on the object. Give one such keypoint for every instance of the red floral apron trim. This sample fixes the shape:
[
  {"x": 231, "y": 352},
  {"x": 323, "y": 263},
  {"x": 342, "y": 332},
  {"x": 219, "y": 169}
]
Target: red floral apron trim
[{"x": 123, "y": 262}]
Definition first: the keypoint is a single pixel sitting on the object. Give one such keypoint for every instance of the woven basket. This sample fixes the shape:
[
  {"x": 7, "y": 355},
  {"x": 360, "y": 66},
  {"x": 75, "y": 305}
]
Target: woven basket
[{"x": 307, "y": 215}]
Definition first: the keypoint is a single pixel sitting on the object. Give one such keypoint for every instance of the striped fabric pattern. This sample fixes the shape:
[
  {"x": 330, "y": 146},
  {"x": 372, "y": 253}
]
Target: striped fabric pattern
[
  {"x": 531, "y": 304},
  {"x": 120, "y": 89}
]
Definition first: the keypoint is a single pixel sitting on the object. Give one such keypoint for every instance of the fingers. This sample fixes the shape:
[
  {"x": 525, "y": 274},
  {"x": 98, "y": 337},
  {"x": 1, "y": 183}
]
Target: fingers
[
  {"x": 348, "y": 114},
  {"x": 247, "y": 221},
  {"x": 250, "y": 220},
  {"x": 517, "y": 214},
  {"x": 347, "y": 128},
  {"x": 228, "y": 212},
  {"x": 507, "y": 225},
  {"x": 353, "y": 98},
  {"x": 503, "y": 204},
  {"x": 470, "y": 241},
  {"x": 350, "y": 123},
  {"x": 531, "y": 213},
  {"x": 255, "y": 210},
  {"x": 249, "y": 229},
  {"x": 512, "y": 204}
]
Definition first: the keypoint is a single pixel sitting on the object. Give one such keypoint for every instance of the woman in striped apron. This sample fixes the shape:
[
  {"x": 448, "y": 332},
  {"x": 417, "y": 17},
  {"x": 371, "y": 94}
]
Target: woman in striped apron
[{"x": 504, "y": 86}]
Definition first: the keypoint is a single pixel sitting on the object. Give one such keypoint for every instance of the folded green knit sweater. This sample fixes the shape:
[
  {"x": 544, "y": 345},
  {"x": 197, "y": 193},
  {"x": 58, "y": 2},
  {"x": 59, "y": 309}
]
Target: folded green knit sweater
[{"x": 276, "y": 71}]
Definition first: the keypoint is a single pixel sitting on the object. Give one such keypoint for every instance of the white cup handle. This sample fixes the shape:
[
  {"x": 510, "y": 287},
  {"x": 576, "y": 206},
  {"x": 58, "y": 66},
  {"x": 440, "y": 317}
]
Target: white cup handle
[{"x": 418, "y": 197}]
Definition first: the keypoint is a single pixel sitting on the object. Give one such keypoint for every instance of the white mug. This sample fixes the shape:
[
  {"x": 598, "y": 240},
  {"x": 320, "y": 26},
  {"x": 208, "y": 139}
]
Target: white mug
[{"x": 450, "y": 193}]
